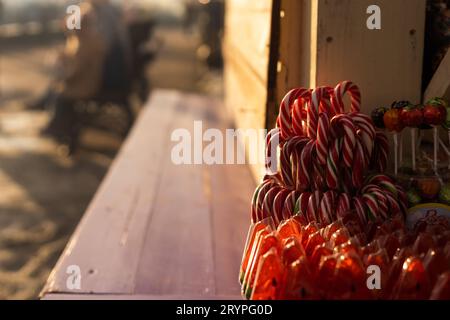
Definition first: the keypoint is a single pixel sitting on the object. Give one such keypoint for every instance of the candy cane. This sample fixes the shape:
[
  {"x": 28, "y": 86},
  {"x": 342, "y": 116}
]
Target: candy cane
[
  {"x": 254, "y": 205},
  {"x": 268, "y": 203},
  {"x": 382, "y": 203},
  {"x": 303, "y": 96},
  {"x": 313, "y": 206},
  {"x": 272, "y": 142},
  {"x": 289, "y": 205},
  {"x": 304, "y": 171},
  {"x": 337, "y": 98},
  {"x": 292, "y": 147},
  {"x": 317, "y": 177},
  {"x": 323, "y": 132},
  {"x": 285, "y": 159},
  {"x": 343, "y": 124},
  {"x": 325, "y": 103},
  {"x": 278, "y": 205},
  {"x": 366, "y": 130},
  {"x": 359, "y": 165},
  {"x": 260, "y": 198},
  {"x": 326, "y": 207},
  {"x": 332, "y": 165},
  {"x": 360, "y": 209},
  {"x": 302, "y": 203},
  {"x": 343, "y": 205},
  {"x": 372, "y": 205},
  {"x": 285, "y": 114},
  {"x": 382, "y": 150},
  {"x": 313, "y": 113}
]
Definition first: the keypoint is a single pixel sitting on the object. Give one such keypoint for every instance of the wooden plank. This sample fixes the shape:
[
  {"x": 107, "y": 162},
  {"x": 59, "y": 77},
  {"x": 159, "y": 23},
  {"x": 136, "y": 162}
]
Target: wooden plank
[
  {"x": 178, "y": 254},
  {"x": 386, "y": 64},
  {"x": 246, "y": 99},
  {"x": 247, "y": 30},
  {"x": 231, "y": 188},
  {"x": 295, "y": 54},
  {"x": 56, "y": 296},
  {"x": 248, "y": 6},
  {"x": 106, "y": 243},
  {"x": 440, "y": 83},
  {"x": 157, "y": 230}
]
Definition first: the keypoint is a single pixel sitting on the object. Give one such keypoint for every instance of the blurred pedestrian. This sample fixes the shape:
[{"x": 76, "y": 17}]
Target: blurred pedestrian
[
  {"x": 95, "y": 59},
  {"x": 78, "y": 73}
]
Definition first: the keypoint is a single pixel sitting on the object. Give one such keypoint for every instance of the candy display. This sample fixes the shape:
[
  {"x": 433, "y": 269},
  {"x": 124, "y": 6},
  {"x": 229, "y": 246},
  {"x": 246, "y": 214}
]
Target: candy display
[
  {"x": 300, "y": 260},
  {"x": 426, "y": 177},
  {"x": 331, "y": 211}
]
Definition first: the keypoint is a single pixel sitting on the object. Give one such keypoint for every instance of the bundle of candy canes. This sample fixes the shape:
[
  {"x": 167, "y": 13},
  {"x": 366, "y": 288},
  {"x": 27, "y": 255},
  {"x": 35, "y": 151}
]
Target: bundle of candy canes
[
  {"x": 330, "y": 190},
  {"x": 325, "y": 156}
]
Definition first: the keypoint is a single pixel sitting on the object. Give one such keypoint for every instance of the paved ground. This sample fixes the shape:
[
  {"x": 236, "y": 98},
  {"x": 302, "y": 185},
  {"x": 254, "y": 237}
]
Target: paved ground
[{"x": 43, "y": 193}]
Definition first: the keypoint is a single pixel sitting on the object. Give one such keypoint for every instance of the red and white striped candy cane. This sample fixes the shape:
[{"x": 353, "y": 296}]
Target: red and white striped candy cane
[
  {"x": 359, "y": 165},
  {"x": 313, "y": 113},
  {"x": 313, "y": 206},
  {"x": 278, "y": 205},
  {"x": 260, "y": 198},
  {"x": 366, "y": 130},
  {"x": 292, "y": 147},
  {"x": 272, "y": 142},
  {"x": 300, "y": 104},
  {"x": 317, "y": 177},
  {"x": 337, "y": 99},
  {"x": 285, "y": 114},
  {"x": 323, "y": 133},
  {"x": 254, "y": 206},
  {"x": 325, "y": 103},
  {"x": 302, "y": 203},
  {"x": 268, "y": 203},
  {"x": 305, "y": 170},
  {"x": 349, "y": 141},
  {"x": 385, "y": 182},
  {"x": 332, "y": 172},
  {"x": 381, "y": 151},
  {"x": 372, "y": 206},
  {"x": 360, "y": 209},
  {"x": 327, "y": 205},
  {"x": 383, "y": 206},
  {"x": 289, "y": 205},
  {"x": 343, "y": 206},
  {"x": 286, "y": 164},
  {"x": 394, "y": 206},
  {"x": 342, "y": 125}
]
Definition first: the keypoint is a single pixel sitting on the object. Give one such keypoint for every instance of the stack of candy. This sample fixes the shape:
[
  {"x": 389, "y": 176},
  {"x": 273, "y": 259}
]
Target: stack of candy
[
  {"x": 307, "y": 261},
  {"x": 329, "y": 198}
]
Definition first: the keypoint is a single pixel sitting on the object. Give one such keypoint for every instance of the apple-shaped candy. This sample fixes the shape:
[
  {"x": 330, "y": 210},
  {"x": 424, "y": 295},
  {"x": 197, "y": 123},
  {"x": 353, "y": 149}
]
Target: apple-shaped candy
[
  {"x": 377, "y": 117},
  {"x": 411, "y": 116},
  {"x": 435, "y": 112},
  {"x": 392, "y": 120},
  {"x": 429, "y": 187}
]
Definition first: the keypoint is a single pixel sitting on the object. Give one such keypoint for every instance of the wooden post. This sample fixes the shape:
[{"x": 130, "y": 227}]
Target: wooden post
[
  {"x": 247, "y": 55},
  {"x": 331, "y": 41}
]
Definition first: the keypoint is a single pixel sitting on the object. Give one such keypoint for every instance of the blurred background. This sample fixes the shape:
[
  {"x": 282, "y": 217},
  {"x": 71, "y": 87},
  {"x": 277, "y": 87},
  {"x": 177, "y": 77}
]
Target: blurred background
[{"x": 56, "y": 143}]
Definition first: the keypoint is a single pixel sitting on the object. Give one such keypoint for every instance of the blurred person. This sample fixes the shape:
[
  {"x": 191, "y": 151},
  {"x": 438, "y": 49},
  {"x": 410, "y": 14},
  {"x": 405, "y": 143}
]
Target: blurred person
[
  {"x": 95, "y": 59},
  {"x": 78, "y": 73},
  {"x": 118, "y": 60}
]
